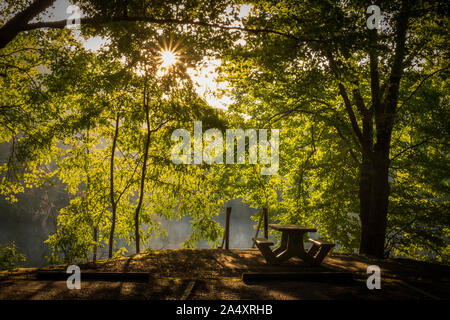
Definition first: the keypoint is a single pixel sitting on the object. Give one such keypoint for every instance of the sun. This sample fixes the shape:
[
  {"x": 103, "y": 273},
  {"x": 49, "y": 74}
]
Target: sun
[
  {"x": 170, "y": 54},
  {"x": 168, "y": 58}
]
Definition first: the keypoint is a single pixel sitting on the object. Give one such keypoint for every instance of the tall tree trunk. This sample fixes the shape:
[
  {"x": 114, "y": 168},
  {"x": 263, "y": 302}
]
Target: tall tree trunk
[
  {"x": 143, "y": 173},
  {"x": 374, "y": 173},
  {"x": 365, "y": 190},
  {"x": 111, "y": 186},
  {"x": 142, "y": 186},
  {"x": 94, "y": 257},
  {"x": 88, "y": 185},
  {"x": 374, "y": 199},
  {"x": 380, "y": 201}
]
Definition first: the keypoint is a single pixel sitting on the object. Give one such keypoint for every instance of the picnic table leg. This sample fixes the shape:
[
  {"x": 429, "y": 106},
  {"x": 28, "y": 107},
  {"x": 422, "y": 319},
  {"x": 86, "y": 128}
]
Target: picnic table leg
[
  {"x": 321, "y": 255},
  {"x": 283, "y": 256},
  {"x": 305, "y": 256},
  {"x": 267, "y": 253},
  {"x": 293, "y": 246},
  {"x": 295, "y": 243},
  {"x": 283, "y": 244},
  {"x": 313, "y": 250}
]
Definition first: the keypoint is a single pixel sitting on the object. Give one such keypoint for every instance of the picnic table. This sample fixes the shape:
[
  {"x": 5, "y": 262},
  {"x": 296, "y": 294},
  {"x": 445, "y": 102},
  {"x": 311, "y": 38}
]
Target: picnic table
[{"x": 292, "y": 245}]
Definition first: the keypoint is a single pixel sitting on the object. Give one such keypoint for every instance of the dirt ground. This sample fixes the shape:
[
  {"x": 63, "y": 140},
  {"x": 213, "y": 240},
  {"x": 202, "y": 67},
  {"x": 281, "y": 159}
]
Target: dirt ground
[{"x": 217, "y": 274}]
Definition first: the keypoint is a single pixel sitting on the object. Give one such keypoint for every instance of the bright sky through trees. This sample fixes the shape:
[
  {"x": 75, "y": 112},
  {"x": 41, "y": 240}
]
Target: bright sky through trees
[
  {"x": 205, "y": 78},
  {"x": 168, "y": 58},
  {"x": 363, "y": 113}
]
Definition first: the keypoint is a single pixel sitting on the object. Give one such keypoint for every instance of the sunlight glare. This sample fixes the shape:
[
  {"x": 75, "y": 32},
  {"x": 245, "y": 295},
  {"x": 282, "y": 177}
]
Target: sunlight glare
[
  {"x": 207, "y": 86},
  {"x": 168, "y": 58}
]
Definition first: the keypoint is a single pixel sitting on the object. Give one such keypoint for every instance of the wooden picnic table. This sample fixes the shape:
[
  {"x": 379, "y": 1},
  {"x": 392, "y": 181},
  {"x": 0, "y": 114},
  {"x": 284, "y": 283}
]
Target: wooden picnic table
[
  {"x": 292, "y": 242},
  {"x": 291, "y": 245}
]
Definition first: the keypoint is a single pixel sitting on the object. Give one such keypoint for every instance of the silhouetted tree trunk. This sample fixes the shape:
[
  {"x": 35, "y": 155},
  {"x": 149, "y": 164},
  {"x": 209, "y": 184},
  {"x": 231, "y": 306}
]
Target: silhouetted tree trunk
[
  {"x": 87, "y": 194},
  {"x": 94, "y": 258},
  {"x": 144, "y": 170},
  {"x": 379, "y": 118},
  {"x": 111, "y": 186},
  {"x": 374, "y": 200},
  {"x": 374, "y": 171}
]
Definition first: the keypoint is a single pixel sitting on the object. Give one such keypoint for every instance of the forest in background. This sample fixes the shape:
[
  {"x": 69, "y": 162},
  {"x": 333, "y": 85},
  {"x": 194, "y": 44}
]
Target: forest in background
[{"x": 363, "y": 117}]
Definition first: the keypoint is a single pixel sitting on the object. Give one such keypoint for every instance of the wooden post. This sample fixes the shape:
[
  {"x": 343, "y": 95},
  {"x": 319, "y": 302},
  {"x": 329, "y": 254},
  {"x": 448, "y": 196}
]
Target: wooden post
[
  {"x": 223, "y": 238},
  {"x": 227, "y": 229},
  {"x": 257, "y": 229},
  {"x": 266, "y": 224}
]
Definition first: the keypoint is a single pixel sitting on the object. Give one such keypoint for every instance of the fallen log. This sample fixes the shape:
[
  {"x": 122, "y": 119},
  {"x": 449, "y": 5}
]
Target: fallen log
[
  {"x": 298, "y": 276},
  {"x": 96, "y": 276}
]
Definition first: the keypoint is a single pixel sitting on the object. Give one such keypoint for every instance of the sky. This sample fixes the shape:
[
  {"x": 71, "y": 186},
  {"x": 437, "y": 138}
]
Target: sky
[{"x": 205, "y": 79}]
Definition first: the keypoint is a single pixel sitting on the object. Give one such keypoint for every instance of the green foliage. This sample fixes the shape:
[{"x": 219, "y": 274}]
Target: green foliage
[
  {"x": 10, "y": 257},
  {"x": 70, "y": 127},
  {"x": 284, "y": 80},
  {"x": 419, "y": 202},
  {"x": 73, "y": 240},
  {"x": 63, "y": 108}
]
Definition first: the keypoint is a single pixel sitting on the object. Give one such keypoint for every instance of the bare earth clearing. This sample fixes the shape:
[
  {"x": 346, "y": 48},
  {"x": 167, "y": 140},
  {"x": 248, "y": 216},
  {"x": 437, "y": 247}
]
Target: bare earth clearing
[{"x": 218, "y": 275}]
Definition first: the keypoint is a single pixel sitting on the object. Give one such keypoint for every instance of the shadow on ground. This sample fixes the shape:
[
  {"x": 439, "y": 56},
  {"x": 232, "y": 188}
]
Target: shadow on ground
[{"x": 217, "y": 274}]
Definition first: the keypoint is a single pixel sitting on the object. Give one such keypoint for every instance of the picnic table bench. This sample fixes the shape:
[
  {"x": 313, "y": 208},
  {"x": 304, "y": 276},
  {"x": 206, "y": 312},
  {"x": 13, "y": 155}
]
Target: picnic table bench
[{"x": 291, "y": 245}]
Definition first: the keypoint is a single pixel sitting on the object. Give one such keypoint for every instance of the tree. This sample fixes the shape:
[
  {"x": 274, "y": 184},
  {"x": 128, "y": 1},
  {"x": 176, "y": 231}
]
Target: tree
[
  {"x": 346, "y": 76},
  {"x": 10, "y": 256},
  {"x": 180, "y": 13},
  {"x": 69, "y": 109},
  {"x": 341, "y": 93}
]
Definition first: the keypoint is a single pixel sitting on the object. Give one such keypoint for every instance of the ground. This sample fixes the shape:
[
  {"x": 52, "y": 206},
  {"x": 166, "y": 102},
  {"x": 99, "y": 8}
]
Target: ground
[{"x": 217, "y": 274}]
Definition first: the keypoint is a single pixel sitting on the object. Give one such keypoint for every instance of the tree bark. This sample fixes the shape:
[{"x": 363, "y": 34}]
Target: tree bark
[
  {"x": 17, "y": 24},
  {"x": 21, "y": 22},
  {"x": 113, "y": 201},
  {"x": 374, "y": 173},
  {"x": 143, "y": 172},
  {"x": 365, "y": 190},
  {"x": 94, "y": 258},
  {"x": 374, "y": 199}
]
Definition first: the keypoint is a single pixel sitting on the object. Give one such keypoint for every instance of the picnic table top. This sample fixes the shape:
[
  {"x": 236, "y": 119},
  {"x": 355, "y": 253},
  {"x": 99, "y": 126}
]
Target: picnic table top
[{"x": 291, "y": 227}]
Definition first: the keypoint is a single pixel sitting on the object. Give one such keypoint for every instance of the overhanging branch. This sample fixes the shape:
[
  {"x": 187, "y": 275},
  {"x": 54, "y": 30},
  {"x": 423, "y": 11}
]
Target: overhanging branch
[
  {"x": 62, "y": 23},
  {"x": 409, "y": 148}
]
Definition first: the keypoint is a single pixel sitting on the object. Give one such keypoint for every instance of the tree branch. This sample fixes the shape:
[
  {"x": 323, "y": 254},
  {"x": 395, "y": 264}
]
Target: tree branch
[
  {"x": 359, "y": 102},
  {"x": 409, "y": 148},
  {"x": 422, "y": 82},
  {"x": 374, "y": 74},
  {"x": 62, "y": 23},
  {"x": 347, "y": 103},
  {"x": 351, "y": 114},
  {"x": 14, "y": 26},
  {"x": 391, "y": 99}
]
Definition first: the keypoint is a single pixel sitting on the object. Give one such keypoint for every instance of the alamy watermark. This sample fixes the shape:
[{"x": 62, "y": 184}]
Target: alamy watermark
[
  {"x": 373, "y": 22},
  {"x": 374, "y": 280},
  {"x": 213, "y": 152},
  {"x": 74, "y": 280},
  {"x": 73, "y": 21}
]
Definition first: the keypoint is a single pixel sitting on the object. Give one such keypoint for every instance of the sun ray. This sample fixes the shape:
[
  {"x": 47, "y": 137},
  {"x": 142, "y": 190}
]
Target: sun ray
[
  {"x": 168, "y": 58},
  {"x": 170, "y": 54}
]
